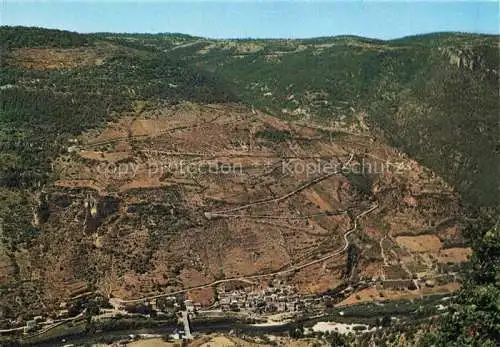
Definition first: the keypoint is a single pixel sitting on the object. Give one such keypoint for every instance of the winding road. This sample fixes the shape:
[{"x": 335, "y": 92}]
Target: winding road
[
  {"x": 224, "y": 213},
  {"x": 247, "y": 279}
]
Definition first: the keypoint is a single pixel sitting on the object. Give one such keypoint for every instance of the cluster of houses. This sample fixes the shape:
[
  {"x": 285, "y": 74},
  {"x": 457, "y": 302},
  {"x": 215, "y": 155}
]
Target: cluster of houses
[{"x": 278, "y": 299}]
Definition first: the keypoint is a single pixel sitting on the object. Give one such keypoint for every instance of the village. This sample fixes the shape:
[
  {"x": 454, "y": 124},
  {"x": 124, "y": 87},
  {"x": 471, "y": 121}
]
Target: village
[{"x": 275, "y": 303}]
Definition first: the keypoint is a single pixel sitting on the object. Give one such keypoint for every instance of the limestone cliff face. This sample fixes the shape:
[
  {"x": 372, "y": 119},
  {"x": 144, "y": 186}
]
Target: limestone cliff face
[
  {"x": 468, "y": 58},
  {"x": 462, "y": 58}
]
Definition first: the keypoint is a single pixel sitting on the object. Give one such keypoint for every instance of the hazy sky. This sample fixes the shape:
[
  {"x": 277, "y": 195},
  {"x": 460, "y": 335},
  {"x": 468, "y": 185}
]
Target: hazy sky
[{"x": 264, "y": 18}]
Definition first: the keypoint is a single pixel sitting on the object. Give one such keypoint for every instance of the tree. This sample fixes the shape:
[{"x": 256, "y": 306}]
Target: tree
[
  {"x": 296, "y": 330},
  {"x": 337, "y": 340},
  {"x": 474, "y": 318},
  {"x": 386, "y": 321}
]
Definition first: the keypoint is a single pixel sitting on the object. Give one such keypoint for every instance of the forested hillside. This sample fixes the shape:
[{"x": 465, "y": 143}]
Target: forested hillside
[
  {"x": 41, "y": 109},
  {"x": 434, "y": 96}
]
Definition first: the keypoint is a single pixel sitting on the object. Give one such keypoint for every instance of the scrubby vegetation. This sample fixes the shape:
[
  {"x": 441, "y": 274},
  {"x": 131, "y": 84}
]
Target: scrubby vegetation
[
  {"x": 274, "y": 135},
  {"x": 15, "y": 37}
]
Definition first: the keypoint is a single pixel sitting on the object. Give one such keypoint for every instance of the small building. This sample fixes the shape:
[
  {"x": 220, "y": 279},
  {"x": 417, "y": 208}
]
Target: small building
[
  {"x": 189, "y": 306},
  {"x": 30, "y": 325},
  {"x": 63, "y": 314}
]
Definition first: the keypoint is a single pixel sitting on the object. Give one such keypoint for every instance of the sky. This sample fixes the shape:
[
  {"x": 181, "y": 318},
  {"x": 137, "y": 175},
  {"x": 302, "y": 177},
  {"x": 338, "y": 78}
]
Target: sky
[{"x": 259, "y": 18}]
